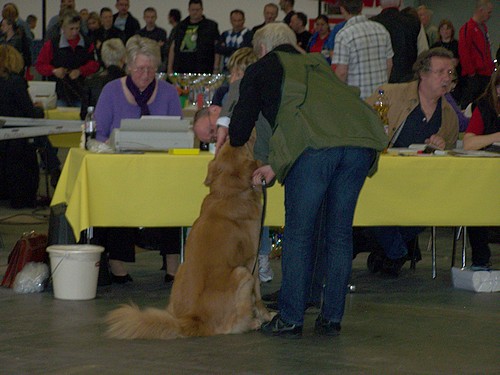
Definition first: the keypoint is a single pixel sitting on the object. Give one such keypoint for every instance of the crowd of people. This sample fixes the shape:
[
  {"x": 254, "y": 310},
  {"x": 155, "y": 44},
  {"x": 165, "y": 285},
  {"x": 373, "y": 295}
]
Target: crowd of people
[
  {"x": 195, "y": 44},
  {"x": 285, "y": 87}
]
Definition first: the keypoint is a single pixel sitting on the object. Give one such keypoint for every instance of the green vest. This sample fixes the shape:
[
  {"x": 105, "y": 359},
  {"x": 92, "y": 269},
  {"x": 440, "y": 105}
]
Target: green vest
[{"x": 317, "y": 110}]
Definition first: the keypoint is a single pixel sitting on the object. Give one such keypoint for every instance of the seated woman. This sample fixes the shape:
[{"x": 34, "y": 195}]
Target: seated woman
[
  {"x": 482, "y": 132},
  {"x": 19, "y": 173},
  {"x": 138, "y": 94},
  {"x": 68, "y": 58},
  {"x": 113, "y": 55}
]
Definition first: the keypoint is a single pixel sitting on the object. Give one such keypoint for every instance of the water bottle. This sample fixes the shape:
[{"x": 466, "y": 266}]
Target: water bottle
[
  {"x": 90, "y": 126},
  {"x": 381, "y": 105},
  {"x": 199, "y": 103}
]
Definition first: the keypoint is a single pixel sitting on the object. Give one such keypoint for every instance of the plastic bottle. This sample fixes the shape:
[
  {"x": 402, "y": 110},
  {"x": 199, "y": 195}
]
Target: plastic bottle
[
  {"x": 381, "y": 105},
  {"x": 90, "y": 126}
]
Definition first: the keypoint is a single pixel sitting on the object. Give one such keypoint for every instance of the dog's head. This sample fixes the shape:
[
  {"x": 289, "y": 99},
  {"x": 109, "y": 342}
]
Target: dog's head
[{"x": 231, "y": 170}]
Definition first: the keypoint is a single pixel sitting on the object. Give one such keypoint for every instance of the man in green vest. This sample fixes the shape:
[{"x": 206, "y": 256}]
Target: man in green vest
[{"x": 325, "y": 142}]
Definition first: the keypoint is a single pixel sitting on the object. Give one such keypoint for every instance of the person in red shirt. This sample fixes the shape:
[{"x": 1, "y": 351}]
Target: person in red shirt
[
  {"x": 484, "y": 125},
  {"x": 317, "y": 41},
  {"x": 68, "y": 58},
  {"x": 483, "y": 131},
  {"x": 475, "y": 52}
]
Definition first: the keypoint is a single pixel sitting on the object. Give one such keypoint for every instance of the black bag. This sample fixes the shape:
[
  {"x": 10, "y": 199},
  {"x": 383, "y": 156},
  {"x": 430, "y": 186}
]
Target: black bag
[
  {"x": 19, "y": 172},
  {"x": 60, "y": 231}
]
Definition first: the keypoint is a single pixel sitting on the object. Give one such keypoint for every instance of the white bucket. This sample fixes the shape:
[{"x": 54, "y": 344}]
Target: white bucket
[{"x": 75, "y": 269}]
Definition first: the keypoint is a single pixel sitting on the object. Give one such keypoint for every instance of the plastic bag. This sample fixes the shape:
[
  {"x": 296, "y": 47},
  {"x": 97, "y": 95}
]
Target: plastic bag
[
  {"x": 94, "y": 145},
  {"x": 32, "y": 278},
  {"x": 99, "y": 147}
]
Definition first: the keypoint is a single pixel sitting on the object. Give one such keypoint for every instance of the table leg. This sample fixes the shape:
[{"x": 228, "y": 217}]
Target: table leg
[{"x": 433, "y": 240}]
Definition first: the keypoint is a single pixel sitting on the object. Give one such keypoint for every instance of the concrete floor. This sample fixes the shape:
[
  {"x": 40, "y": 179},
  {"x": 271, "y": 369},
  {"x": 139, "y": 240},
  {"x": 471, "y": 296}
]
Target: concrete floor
[{"x": 412, "y": 325}]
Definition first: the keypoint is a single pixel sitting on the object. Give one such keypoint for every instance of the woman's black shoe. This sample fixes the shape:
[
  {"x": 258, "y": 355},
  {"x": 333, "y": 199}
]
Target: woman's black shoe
[
  {"x": 392, "y": 267},
  {"x": 121, "y": 279},
  {"x": 375, "y": 261},
  {"x": 169, "y": 278}
]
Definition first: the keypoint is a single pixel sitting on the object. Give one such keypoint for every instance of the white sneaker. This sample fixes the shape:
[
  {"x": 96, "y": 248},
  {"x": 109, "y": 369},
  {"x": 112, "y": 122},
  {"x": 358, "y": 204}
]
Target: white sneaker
[{"x": 265, "y": 271}]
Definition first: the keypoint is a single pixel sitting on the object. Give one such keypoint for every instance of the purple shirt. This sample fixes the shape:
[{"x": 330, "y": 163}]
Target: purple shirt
[
  {"x": 113, "y": 106},
  {"x": 463, "y": 121}
]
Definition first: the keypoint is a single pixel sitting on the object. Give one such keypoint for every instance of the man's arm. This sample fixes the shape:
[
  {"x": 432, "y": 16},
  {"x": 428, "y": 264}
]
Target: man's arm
[
  {"x": 389, "y": 67},
  {"x": 217, "y": 60},
  {"x": 171, "y": 56},
  {"x": 341, "y": 71},
  {"x": 465, "y": 52}
]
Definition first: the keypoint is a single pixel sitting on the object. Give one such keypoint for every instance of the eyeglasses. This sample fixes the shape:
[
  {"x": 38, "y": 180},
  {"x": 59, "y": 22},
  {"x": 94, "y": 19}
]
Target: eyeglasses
[
  {"x": 442, "y": 72},
  {"x": 144, "y": 69}
]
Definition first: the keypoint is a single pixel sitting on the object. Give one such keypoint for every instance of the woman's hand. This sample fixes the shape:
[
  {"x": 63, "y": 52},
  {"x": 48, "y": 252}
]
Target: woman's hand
[
  {"x": 222, "y": 137},
  {"x": 265, "y": 172}
]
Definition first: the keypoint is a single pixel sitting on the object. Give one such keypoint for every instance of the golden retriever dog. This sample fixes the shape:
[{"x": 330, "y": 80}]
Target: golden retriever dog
[{"x": 214, "y": 290}]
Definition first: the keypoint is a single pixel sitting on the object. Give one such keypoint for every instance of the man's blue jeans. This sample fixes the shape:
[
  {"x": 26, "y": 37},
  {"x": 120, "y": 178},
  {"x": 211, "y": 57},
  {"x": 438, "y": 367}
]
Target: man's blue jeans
[{"x": 335, "y": 176}]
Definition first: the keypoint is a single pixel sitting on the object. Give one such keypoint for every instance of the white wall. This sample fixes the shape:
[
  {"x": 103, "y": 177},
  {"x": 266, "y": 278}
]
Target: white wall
[
  {"x": 217, "y": 10},
  {"x": 458, "y": 11}
]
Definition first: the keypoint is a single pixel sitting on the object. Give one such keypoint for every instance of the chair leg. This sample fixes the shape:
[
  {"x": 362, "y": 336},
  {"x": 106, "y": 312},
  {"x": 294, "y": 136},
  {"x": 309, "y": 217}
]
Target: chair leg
[
  {"x": 464, "y": 246},
  {"x": 457, "y": 232},
  {"x": 182, "y": 246},
  {"x": 414, "y": 260},
  {"x": 43, "y": 155},
  {"x": 47, "y": 175},
  {"x": 433, "y": 240}
]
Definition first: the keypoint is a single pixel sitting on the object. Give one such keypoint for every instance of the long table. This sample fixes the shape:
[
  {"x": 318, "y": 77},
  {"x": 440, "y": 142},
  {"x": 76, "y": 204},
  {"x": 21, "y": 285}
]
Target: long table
[
  {"x": 67, "y": 140},
  {"x": 157, "y": 189}
]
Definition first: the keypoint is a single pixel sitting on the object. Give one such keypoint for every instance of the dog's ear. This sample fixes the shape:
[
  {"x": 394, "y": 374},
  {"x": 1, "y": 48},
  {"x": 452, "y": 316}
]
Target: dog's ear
[
  {"x": 251, "y": 141},
  {"x": 213, "y": 171}
]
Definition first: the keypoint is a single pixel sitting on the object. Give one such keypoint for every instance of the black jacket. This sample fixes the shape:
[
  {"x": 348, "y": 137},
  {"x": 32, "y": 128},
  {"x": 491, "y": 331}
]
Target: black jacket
[
  {"x": 14, "y": 98},
  {"x": 132, "y": 25},
  {"x": 94, "y": 84},
  {"x": 64, "y": 56},
  {"x": 404, "y": 32},
  {"x": 200, "y": 60},
  {"x": 490, "y": 117}
]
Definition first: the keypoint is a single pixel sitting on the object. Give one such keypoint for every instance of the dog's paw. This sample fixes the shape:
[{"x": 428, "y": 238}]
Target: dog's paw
[
  {"x": 255, "y": 324},
  {"x": 271, "y": 316}
]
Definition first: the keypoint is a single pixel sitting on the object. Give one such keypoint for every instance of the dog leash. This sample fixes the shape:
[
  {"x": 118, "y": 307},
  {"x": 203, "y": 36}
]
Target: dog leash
[{"x": 262, "y": 218}]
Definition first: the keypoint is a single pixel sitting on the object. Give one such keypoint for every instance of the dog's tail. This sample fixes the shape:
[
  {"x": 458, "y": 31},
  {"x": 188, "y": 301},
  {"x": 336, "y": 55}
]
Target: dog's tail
[{"x": 129, "y": 322}]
